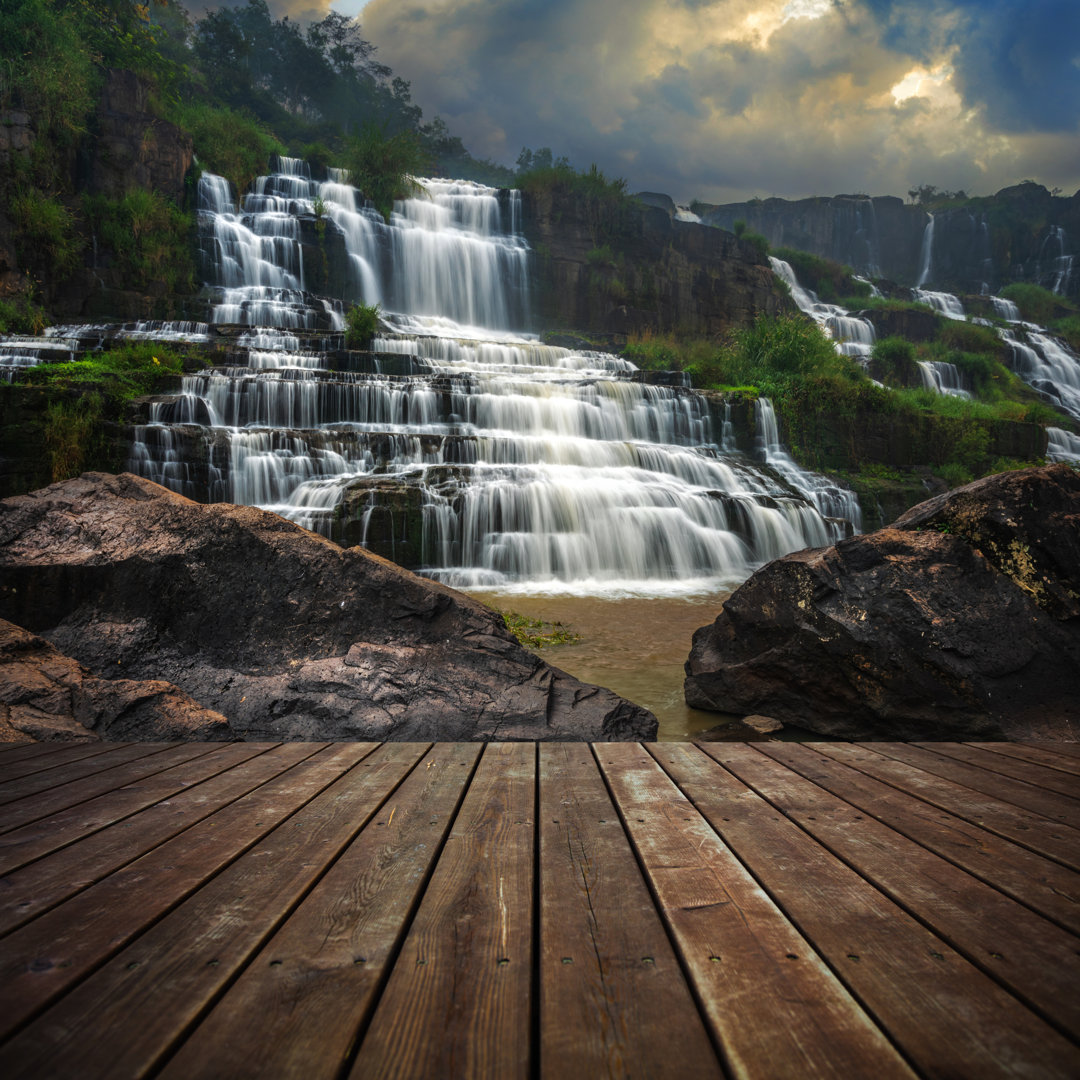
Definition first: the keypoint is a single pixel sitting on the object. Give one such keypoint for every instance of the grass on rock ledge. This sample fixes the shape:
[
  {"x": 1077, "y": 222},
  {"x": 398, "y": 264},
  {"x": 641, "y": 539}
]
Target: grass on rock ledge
[{"x": 535, "y": 633}]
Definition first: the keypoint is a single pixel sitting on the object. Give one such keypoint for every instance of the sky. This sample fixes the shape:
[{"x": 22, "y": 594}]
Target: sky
[{"x": 723, "y": 100}]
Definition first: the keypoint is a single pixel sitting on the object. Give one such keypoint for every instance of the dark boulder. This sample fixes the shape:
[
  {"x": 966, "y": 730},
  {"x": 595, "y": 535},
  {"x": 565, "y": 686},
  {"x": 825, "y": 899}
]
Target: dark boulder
[
  {"x": 961, "y": 620},
  {"x": 47, "y": 696},
  {"x": 285, "y": 633}
]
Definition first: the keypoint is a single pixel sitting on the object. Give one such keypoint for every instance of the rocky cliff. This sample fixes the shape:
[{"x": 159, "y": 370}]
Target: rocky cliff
[
  {"x": 962, "y": 620},
  {"x": 284, "y": 633},
  {"x": 1019, "y": 234},
  {"x": 643, "y": 271}
]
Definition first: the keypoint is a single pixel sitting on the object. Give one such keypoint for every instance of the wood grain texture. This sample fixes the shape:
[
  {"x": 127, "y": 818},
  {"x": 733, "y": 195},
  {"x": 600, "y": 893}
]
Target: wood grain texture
[
  {"x": 24, "y": 759},
  {"x": 1038, "y": 755},
  {"x": 1002, "y": 788},
  {"x": 1031, "y": 829},
  {"x": 54, "y": 878},
  {"x": 1042, "y": 884},
  {"x": 459, "y": 1000},
  {"x": 1033, "y": 957},
  {"x": 1002, "y": 764},
  {"x": 949, "y": 1016},
  {"x": 775, "y": 1007},
  {"x": 613, "y": 999},
  {"x": 111, "y": 1025},
  {"x": 44, "y": 835},
  {"x": 45, "y": 958},
  {"x": 93, "y": 774},
  {"x": 298, "y": 1007}
]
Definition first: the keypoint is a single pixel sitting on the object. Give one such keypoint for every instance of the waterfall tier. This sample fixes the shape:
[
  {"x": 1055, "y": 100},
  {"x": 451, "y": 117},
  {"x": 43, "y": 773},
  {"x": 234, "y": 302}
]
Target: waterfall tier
[{"x": 493, "y": 459}]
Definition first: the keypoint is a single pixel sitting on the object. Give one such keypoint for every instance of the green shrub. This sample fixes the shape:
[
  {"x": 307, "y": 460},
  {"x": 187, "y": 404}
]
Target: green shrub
[
  {"x": 45, "y": 235},
  {"x": 1069, "y": 329},
  {"x": 228, "y": 142},
  {"x": 69, "y": 426},
  {"x": 151, "y": 239},
  {"x": 128, "y": 371},
  {"x": 969, "y": 337},
  {"x": 21, "y": 316},
  {"x": 383, "y": 166},
  {"x": 361, "y": 325},
  {"x": 758, "y": 242},
  {"x": 1036, "y": 304}
]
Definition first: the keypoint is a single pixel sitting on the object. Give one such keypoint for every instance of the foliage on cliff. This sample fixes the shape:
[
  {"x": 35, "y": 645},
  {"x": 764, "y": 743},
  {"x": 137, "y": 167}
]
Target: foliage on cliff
[{"x": 813, "y": 388}]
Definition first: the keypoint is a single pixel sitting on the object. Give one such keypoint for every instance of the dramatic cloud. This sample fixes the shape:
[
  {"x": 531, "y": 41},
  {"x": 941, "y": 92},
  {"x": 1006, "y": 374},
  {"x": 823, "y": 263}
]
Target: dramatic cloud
[{"x": 723, "y": 99}]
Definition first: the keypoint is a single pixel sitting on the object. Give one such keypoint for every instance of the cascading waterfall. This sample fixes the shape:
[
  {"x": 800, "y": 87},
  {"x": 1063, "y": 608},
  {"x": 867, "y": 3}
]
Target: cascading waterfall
[
  {"x": 1062, "y": 445},
  {"x": 943, "y": 303},
  {"x": 852, "y": 335},
  {"x": 1061, "y": 265},
  {"x": 926, "y": 255},
  {"x": 531, "y": 467},
  {"x": 943, "y": 378},
  {"x": 831, "y": 500}
]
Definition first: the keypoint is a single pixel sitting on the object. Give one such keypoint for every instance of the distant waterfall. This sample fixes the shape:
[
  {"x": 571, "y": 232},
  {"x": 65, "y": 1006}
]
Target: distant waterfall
[
  {"x": 527, "y": 466},
  {"x": 926, "y": 255},
  {"x": 852, "y": 335},
  {"x": 943, "y": 378}
]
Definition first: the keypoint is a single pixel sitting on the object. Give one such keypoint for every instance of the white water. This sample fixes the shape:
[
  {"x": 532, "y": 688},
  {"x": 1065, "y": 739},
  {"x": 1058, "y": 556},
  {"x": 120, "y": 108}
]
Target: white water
[
  {"x": 537, "y": 468},
  {"x": 852, "y": 336},
  {"x": 943, "y": 378},
  {"x": 1062, "y": 445},
  {"x": 1061, "y": 265},
  {"x": 926, "y": 255},
  {"x": 943, "y": 303},
  {"x": 831, "y": 500}
]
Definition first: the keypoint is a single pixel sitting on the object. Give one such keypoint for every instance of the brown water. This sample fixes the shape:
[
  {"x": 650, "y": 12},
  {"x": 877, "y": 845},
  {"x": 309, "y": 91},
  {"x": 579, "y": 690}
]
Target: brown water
[{"x": 636, "y": 647}]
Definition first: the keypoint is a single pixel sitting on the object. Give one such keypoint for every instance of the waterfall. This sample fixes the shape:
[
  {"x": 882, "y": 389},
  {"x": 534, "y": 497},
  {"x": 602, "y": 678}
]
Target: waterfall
[
  {"x": 833, "y": 501},
  {"x": 1062, "y": 445},
  {"x": 1060, "y": 265},
  {"x": 943, "y": 303},
  {"x": 943, "y": 378},
  {"x": 1005, "y": 309},
  {"x": 926, "y": 255},
  {"x": 1048, "y": 365},
  {"x": 504, "y": 462},
  {"x": 853, "y": 336}
]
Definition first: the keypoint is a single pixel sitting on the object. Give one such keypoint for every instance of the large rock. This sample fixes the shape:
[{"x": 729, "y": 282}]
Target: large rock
[
  {"x": 45, "y": 695},
  {"x": 285, "y": 633},
  {"x": 961, "y": 620}
]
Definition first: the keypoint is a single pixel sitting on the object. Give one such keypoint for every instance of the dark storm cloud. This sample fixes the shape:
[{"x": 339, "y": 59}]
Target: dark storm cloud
[
  {"x": 729, "y": 98},
  {"x": 1019, "y": 59}
]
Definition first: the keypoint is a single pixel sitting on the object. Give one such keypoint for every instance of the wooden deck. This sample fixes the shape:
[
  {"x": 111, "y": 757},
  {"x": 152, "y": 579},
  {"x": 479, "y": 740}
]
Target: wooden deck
[{"x": 557, "y": 910}]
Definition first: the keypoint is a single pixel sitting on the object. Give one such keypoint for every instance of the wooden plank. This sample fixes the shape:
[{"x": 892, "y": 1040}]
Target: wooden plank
[
  {"x": 38, "y": 838},
  {"x": 776, "y": 1009},
  {"x": 46, "y": 957},
  {"x": 46, "y": 803},
  {"x": 948, "y": 1017},
  {"x": 1070, "y": 749},
  {"x": 1043, "y": 885},
  {"x": 124, "y": 1018},
  {"x": 1038, "y": 755},
  {"x": 1014, "y": 792},
  {"x": 1068, "y": 787},
  {"x": 459, "y": 999},
  {"x": 1032, "y": 957},
  {"x": 38, "y": 756},
  {"x": 296, "y": 1009},
  {"x": 1031, "y": 830},
  {"x": 613, "y": 999},
  {"x": 56, "y": 877},
  {"x": 89, "y": 767}
]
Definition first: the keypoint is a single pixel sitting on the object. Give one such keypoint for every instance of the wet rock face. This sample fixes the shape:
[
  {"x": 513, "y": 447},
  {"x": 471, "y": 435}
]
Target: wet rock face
[
  {"x": 962, "y": 620},
  {"x": 47, "y": 696},
  {"x": 285, "y": 633}
]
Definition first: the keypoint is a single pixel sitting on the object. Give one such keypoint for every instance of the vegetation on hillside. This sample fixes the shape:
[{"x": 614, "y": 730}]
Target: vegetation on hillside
[{"x": 789, "y": 360}]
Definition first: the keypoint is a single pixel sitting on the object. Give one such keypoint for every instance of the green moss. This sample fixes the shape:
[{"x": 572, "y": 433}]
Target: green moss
[
  {"x": 229, "y": 142},
  {"x": 535, "y": 633},
  {"x": 119, "y": 375},
  {"x": 151, "y": 240}
]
